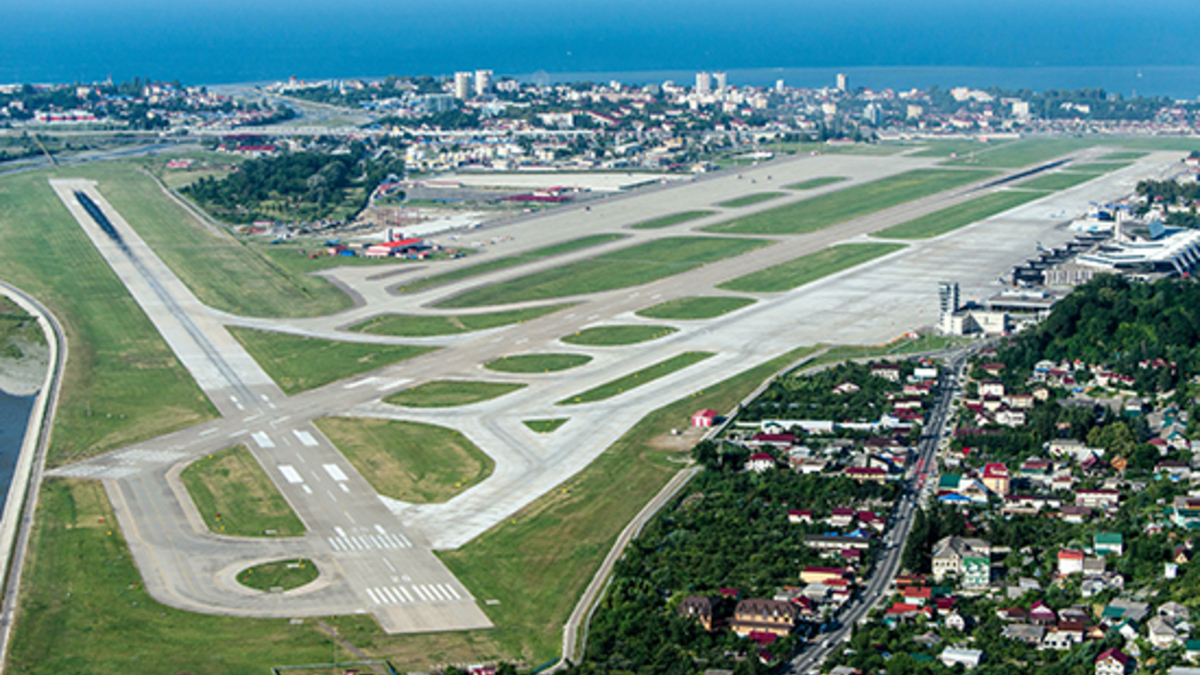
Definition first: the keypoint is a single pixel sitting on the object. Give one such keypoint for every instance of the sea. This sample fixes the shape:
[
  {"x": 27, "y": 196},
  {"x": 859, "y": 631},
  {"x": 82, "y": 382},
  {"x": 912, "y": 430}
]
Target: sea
[
  {"x": 1146, "y": 47},
  {"x": 14, "y": 417}
]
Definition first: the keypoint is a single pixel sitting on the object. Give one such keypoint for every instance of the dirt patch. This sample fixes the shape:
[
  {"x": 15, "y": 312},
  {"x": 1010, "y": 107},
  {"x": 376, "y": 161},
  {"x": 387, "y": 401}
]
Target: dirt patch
[{"x": 683, "y": 441}]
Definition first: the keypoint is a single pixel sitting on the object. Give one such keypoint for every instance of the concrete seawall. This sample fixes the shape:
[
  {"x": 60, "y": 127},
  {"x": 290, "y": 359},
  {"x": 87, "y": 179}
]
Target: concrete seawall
[{"x": 19, "y": 508}]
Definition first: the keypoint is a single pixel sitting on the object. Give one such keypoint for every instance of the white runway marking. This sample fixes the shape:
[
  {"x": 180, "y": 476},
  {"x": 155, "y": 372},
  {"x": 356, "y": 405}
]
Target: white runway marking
[
  {"x": 365, "y": 380},
  {"x": 290, "y": 474},
  {"x": 307, "y": 490},
  {"x": 304, "y": 437},
  {"x": 344, "y": 487},
  {"x": 335, "y": 472},
  {"x": 207, "y": 432},
  {"x": 390, "y": 384},
  {"x": 370, "y": 542},
  {"x": 262, "y": 439}
]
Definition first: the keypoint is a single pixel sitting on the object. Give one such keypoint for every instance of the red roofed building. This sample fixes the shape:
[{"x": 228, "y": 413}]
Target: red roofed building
[
  {"x": 1070, "y": 561},
  {"x": 1113, "y": 662},
  {"x": 996, "y": 478},
  {"x": 760, "y": 462},
  {"x": 704, "y": 418}
]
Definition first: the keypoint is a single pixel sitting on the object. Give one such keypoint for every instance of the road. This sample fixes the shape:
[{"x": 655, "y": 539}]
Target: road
[
  {"x": 375, "y": 552},
  {"x": 886, "y": 567}
]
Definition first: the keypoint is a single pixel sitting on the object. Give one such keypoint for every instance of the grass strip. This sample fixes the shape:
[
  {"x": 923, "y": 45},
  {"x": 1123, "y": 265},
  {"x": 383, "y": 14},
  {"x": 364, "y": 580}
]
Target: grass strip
[
  {"x": 451, "y": 393},
  {"x": 673, "y": 219},
  {"x": 1096, "y": 167},
  {"x": 698, "y": 307},
  {"x": 835, "y": 207},
  {"x": 420, "y": 325},
  {"x": 537, "y": 363},
  {"x": 236, "y": 497},
  {"x": 282, "y": 575},
  {"x": 955, "y": 147},
  {"x": 1056, "y": 181},
  {"x": 1024, "y": 152},
  {"x": 221, "y": 270},
  {"x": 637, "y": 379},
  {"x": 1118, "y": 156},
  {"x": 959, "y": 215},
  {"x": 809, "y": 268},
  {"x": 298, "y": 363},
  {"x": 411, "y": 461},
  {"x": 613, "y": 336},
  {"x": 545, "y": 426},
  {"x": 814, "y": 183},
  {"x": 749, "y": 200},
  {"x": 632, "y": 266},
  {"x": 506, "y": 262},
  {"x": 537, "y": 563}
]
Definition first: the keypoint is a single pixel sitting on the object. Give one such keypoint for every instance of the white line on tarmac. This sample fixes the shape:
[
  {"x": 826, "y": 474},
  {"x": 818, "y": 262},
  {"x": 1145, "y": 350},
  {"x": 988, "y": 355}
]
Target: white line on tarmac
[
  {"x": 262, "y": 439},
  {"x": 389, "y": 564},
  {"x": 365, "y": 380},
  {"x": 344, "y": 487},
  {"x": 406, "y": 593},
  {"x": 374, "y": 598},
  {"x": 307, "y": 490},
  {"x": 207, "y": 432},
  {"x": 331, "y": 495},
  {"x": 340, "y": 531},
  {"x": 335, "y": 472},
  {"x": 290, "y": 474},
  {"x": 380, "y": 530}
]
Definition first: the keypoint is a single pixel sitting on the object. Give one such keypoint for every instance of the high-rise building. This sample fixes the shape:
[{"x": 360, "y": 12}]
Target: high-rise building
[
  {"x": 843, "y": 82},
  {"x": 779, "y": 86},
  {"x": 948, "y": 297},
  {"x": 722, "y": 82},
  {"x": 703, "y": 83},
  {"x": 872, "y": 114},
  {"x": 483, "y": 82},
  {"x": 462, "y": 85}
]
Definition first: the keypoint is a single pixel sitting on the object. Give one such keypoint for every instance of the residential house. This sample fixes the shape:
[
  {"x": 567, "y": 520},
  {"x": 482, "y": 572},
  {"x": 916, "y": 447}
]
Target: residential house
[
  {"x": 888, "y": 371},
  {"x": 956, "y": 621},
  {"x": 1174, "y": 612},
  {"x": 996, "y": 478},
  {"x": 836, "y": 543},
  {"x": 968, "y": 658},
  {"x": 818, "y": 575},
  {"x": 1113, "y": 662},
  {"x": 1041, "y": 613},
  {"x": 866, "y": 474},
  {"x": 797, "y": 516},
  {"x": 760, "y": 462},
  {"x": 1057, "y": 641},
  {"x": 967, "y": 558},
  {"x": 1109, "y": 543},
  {"x": 758, "y": 615},
  {"x": 698, "y": 608},
  {"x": 1070, "y": 561},
  {"x": 1024, "y": 632},
  {"x": 1098, "y": 499},
  {"x": 1161, "y": 633},
  {"x": 991, "y": 388},
  {"x": 841, "y": 517}
]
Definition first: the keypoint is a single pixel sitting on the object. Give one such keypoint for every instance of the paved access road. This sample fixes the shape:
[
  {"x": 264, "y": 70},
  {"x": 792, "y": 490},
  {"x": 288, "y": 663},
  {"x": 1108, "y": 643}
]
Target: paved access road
[
  {"x": 894, "y": 537},
  {"x": 376, "y": 553}
]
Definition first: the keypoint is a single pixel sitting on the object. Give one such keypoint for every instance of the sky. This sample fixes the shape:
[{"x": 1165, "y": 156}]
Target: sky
[{"x": 217, "y": 41}]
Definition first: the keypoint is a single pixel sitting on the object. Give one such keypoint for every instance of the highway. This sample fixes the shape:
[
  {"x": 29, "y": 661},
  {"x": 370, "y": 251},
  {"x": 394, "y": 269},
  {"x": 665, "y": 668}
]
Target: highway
[
  {"x": 376, "y": 552},
  {"x": 888, "y": 564}
]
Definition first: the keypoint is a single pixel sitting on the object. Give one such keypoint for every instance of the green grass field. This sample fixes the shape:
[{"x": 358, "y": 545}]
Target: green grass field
[
  {"x": 632, "y": 266},
  {"x": 545, "y": 426},
  {"x": 959, "y": 215},
  {"x": 612, "y": 336},
  {"x": 673, "y": 219},
  {"x": 451, "y": 393},
  {"x": 633, "y": 380},
  {"x": 506, "y": 262},
  {"x": 410, "y": 461},
  {"x": 954, "y": 147},
  {"x": 81, "y": 589},
  {"x": 222, "y": 271},
  {"x": 1024, "y": 152},
  {"x": 1056, "y": 181},
  {"x": 749, "y": 200},
  {"x": 1096, "y": 167},
  {"x": 283, "y": 575},
  {"x": 122, "y": 384},
  {"x": 814, "y": 183},
  {"x": 537, "y": 363},
  {"x": 299, "y": 363},
  {"x": 420, "y": 325},
  {"x": 837, "y": 207},
  {"x": 700, "y": 307},
  {"x": 236, "y": 497},
  {"x": 537, "y": 563},
  {"x": 809, "y": 268},
  {"x": 1120, "y": 156}
]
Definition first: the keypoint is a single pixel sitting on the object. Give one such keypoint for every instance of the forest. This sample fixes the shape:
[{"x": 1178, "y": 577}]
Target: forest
[{"x": 300, "y": 186}]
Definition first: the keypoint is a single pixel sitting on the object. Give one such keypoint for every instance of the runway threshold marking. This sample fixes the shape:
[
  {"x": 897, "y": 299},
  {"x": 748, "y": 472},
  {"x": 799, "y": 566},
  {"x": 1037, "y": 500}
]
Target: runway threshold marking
[
  {"x": 290, "y": 474},
  {"x": 335, "y": 472},
  {"x": 305, "y": 438},
  {"x": 262, "y": 439}
]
